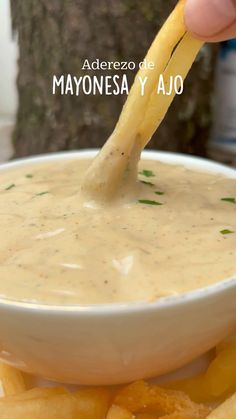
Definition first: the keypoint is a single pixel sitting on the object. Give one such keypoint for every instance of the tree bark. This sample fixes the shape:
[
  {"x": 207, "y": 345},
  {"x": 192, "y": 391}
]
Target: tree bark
[{"x": 56, "y": 36}]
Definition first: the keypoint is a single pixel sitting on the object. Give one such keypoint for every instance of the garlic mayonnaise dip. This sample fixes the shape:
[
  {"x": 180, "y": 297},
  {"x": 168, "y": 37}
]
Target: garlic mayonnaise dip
[{"x": 176, "y": 233}]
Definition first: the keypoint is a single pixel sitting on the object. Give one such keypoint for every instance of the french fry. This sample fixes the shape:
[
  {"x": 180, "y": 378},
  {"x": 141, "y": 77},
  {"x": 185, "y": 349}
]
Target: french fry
[
  {"x": 183, "y": 415},
  {"x": 117, "y": 412},
  {"x": 140, "y": 397},
  {"x": 220, "y": 377},
  {"x": 12, "y": 380},
  {"x": 172, "y": 52},
  {"x": 194, "y": 387},
  {"x": 93, "y": 403},
  {"x": 218, "y": 382},
  {"x": 36, "y": 393},
  {"x": 158, "y": 105},
  {"x": 226, "y": 410},
  {"x": 159, "y": 53},
  {"x": 56, "y": 407},
  {"x": 56, "y": 404}
]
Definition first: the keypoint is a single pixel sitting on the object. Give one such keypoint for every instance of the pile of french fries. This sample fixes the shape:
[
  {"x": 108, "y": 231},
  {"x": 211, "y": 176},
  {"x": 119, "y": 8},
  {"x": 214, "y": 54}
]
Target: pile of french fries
[{"x": 188, "y": 399}]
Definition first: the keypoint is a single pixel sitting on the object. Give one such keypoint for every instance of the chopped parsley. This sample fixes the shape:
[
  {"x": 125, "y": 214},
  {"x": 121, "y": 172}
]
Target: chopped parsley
[
  {"x": 29, "y": 176},
  {"x": 147, "y": 173},
  {"x": 159, "y": 193},
  {"x": 148, "y": 202},
  {"x": 41, "y": 193},
  {"x": 147, "y": 183},
  {"x": 10, "y": 187},
  {"x": 226, "y": 231},
  {"x": 231, "y": 200}
]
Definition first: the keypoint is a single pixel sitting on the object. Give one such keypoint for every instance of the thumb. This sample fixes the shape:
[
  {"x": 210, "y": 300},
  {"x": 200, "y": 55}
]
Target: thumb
[{"x": 211, "y": 20}]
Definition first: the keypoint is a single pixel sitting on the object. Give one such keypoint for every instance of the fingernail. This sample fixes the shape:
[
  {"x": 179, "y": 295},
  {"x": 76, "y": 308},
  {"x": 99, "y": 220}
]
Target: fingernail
[{"x": 209, "y": 17}]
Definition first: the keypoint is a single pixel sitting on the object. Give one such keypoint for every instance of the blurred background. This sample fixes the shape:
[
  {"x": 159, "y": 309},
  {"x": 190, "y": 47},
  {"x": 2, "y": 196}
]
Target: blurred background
[
  {"x": 8, "y": 89},
  {"x": 39, "y": 38}
]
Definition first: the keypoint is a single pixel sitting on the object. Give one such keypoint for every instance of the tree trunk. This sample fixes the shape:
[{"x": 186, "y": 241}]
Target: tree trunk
[{"x": 55, "y": 37}]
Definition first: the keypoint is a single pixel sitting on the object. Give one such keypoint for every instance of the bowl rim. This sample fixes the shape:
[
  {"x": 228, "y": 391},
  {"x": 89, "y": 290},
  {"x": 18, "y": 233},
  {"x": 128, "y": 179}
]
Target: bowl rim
[{"x": 213, "y": 290}]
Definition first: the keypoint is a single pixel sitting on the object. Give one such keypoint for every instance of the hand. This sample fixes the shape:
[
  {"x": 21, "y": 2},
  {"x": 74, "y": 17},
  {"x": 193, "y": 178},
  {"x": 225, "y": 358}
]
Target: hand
[{"x": 211, "y": 20}]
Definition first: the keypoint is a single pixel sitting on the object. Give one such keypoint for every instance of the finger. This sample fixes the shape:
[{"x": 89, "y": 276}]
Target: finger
[{"x": 211, "y": 20}]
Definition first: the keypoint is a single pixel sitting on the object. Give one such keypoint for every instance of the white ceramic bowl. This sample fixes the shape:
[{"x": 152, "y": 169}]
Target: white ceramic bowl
[{"x": 117, "y": 343}]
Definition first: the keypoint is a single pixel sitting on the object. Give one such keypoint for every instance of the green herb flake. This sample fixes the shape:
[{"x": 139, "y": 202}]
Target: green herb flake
[
  {"x": 147, "y": 173},
  {"x": 10, "y": 187},
  {"x": 226, "y": 231},
  {"x": 159, "y": 193},
  {"x": 29, "y": 176},
  {"x": 41, "y": 193},
  {"x": 148, "y": 202},
  {"x": 147, "y": 183},
  {"x": 231, "y": 200}
]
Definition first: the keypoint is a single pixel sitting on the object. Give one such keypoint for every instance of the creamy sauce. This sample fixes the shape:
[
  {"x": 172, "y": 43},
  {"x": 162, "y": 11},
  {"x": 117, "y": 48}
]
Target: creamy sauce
[{"x": 57, "y": 248}]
